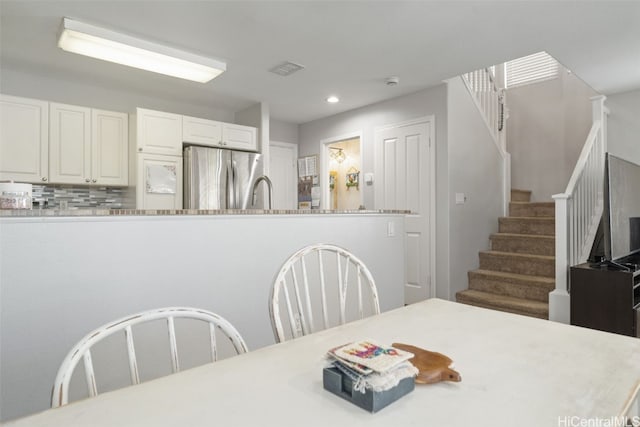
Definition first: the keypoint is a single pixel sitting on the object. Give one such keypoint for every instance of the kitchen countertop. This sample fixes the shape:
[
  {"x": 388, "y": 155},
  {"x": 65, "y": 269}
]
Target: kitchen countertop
[{"x": 21, "y": 213}]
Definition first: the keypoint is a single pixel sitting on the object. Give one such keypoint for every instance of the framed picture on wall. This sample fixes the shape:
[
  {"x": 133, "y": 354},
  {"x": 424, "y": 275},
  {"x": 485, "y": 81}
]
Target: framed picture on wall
[{"x": 353, "y": 178}]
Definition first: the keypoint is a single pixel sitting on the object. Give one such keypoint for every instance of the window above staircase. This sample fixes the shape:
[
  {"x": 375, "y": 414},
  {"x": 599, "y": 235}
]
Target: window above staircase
[{"x": 531, "y": 69}]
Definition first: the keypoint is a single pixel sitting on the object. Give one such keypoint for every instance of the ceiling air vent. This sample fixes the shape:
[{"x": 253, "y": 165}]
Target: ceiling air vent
[{"x": 286, "y": 68}]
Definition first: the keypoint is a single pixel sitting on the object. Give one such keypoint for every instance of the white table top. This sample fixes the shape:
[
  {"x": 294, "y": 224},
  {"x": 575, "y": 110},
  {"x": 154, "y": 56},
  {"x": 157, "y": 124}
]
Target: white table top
[{"x": 513, "y": 368}]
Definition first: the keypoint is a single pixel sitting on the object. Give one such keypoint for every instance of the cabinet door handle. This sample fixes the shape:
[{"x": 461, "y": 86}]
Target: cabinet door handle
[
  {"x": 93, "y": 180},
  {"x": 44, "y": 178},
  {"x": 140, "y": 149},
  {"x": 87, "y": 180}
]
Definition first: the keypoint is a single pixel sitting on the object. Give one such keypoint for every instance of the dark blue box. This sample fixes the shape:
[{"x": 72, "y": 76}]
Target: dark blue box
[{"x": 339, "y": 384}]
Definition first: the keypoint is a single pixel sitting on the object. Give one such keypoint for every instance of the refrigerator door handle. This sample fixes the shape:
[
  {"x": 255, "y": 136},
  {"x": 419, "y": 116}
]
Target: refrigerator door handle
[{"x": 232, "y": 187}]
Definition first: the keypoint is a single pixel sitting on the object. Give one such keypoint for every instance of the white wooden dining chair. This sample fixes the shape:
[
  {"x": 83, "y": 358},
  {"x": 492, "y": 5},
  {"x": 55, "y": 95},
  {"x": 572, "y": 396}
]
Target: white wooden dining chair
[
  {"x": 82, "y": 350},
  {"x": 320, "y": 281}
]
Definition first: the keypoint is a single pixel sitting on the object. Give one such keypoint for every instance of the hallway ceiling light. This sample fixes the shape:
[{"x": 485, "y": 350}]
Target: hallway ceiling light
[
  {"x": 101, "y": 43},
  {"x": 337, "y": 154},
  {"x": 333, "y": 99}
]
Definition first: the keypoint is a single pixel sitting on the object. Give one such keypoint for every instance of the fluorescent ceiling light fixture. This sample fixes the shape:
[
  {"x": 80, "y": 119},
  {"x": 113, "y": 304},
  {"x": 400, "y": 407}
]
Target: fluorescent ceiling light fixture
[
  {"x": 333, "y": 99},
  {"x": 100, "y": 43}
]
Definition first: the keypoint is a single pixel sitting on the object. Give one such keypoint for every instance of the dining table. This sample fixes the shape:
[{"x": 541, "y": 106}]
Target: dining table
[{"x": 515, "y": 370}]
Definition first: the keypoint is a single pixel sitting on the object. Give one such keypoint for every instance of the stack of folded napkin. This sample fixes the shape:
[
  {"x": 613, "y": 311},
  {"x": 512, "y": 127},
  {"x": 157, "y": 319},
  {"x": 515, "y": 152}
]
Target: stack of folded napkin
[{"x": 372, "y": 366}]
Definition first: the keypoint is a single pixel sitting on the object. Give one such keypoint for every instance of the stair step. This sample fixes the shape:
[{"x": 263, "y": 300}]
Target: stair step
[
  {"x": 514, "y": 285},
  {"x": 537, "y": 209},
  {"x": 523, "y": 243},
  {"x": 504, "y": 303},
  {"x": 520, "y": 195},
  {"x": 540, "y": 226},
  {"x": 531, "y": 265}
]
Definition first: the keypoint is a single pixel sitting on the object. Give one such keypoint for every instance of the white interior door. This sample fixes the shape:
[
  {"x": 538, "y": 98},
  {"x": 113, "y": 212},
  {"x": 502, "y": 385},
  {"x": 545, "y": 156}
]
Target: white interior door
[
  {"x": 403, "y": 170},
  {"x": 282, "y": 172}
]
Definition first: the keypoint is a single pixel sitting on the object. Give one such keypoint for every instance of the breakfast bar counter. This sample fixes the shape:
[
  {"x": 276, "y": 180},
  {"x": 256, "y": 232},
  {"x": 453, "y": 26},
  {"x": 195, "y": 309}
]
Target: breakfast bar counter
[{"x": 30, "y": 213}]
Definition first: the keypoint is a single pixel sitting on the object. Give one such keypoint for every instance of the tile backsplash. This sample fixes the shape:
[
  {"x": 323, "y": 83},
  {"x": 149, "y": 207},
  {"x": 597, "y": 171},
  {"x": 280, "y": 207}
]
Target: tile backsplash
[{"x": 55, "y": 197}]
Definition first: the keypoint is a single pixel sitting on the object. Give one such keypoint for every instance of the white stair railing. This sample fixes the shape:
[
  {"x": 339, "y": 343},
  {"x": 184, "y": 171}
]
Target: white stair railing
[
  {"x": 490, "y": 101},
  {"x": 481, "y": 83},
  {"x": 579, "y": 210}
]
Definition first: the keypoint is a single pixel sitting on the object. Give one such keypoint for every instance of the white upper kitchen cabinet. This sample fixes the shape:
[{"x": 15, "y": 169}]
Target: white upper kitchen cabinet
[
  {"x": 158, "y": 132},
  {"x": 201, "y": 131},
  {"x": 159, "y": 182},
  {"x": 69, "y": 144},
  {"x": 218, "y": 134},
  {"x": 24, "y": 139},
  {"x": 109, "y": 148},
  {"x": 88, "y": 146},
  {"x": 239, "y": 137}
]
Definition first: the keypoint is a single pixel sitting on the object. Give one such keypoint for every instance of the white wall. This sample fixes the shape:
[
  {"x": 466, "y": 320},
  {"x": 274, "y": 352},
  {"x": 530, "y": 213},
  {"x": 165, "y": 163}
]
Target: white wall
[
  {"x": 623, "y": 135},
  {"x": 475, "y": 166},
  {"x": 63, "y": 277},
  {"x": 258, "y": 116},
  {"x": 547, "y": 126},
  {"x": 283, "y": 131},
  {"x": 431, "y": 101},
  {"x": 25, "y": 84}
]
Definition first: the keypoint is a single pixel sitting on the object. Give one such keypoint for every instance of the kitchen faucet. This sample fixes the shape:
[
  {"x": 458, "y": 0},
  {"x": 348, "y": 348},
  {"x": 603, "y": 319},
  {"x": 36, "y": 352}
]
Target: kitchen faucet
[{"x": 255, "y": 187}]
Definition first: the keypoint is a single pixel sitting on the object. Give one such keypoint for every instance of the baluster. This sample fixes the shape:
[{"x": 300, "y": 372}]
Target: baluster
[
  {"x": 494, "y": 112},
  {"x": 583, "y": 217},
  {"x": 476, "y": 79},
  {"x": 484, "y": 92},
  {"x": 572, "y": 232}
]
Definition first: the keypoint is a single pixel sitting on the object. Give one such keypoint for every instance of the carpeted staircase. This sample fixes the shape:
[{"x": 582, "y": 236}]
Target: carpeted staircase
[{"x": 518, "y": 273}]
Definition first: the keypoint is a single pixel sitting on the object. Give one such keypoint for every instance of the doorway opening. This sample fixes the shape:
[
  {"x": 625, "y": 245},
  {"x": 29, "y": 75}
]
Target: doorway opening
[{"x": 341, "y": 173}]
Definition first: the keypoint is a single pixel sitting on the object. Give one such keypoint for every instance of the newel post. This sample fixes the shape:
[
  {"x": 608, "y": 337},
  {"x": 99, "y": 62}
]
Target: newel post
[
  {"x": 559, "y": 301},
  {"x": 599, "y": 113}
]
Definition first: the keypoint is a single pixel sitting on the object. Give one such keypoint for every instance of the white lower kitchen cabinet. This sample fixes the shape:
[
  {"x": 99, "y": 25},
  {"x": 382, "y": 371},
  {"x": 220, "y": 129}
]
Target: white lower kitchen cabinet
[
  {"x": 24, "y": 139},
  {"x": 158, "y": 182}
]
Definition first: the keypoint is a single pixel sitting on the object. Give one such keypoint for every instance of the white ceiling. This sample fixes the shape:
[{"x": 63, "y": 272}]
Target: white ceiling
[{"x": 348, "y": 47}]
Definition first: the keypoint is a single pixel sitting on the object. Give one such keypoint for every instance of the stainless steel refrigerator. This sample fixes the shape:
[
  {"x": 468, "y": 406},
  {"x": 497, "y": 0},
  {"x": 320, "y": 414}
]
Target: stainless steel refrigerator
[{"x": 216, "y": 178}]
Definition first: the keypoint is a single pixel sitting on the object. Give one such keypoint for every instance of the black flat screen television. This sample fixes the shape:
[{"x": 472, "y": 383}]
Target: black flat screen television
[{"x": 620, "y": 227}]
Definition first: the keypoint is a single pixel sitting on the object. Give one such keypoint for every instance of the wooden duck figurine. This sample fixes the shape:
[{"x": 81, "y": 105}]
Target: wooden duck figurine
[{"x": 433, "y": 367}]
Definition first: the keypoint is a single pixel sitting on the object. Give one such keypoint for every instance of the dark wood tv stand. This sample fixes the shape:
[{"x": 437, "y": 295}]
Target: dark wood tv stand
[{"x": 606, "y": 298}]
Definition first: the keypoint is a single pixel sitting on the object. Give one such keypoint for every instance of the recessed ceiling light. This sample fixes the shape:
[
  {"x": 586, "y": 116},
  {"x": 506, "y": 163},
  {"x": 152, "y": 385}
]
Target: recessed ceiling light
[
  {"x": 333, "y": 99},
  {"x": 101, "y": 43}
]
